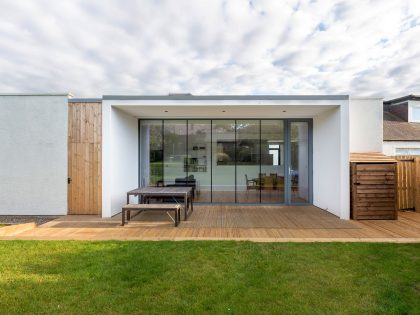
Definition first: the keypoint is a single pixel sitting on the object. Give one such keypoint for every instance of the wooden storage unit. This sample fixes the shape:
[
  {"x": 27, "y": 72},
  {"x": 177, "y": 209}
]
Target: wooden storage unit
[{"x": 373, "y": 186}]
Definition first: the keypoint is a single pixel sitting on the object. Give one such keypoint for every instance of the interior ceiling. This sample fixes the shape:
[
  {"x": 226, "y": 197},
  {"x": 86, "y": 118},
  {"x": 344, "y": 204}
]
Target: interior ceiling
[{"x": 237, "y": 111}]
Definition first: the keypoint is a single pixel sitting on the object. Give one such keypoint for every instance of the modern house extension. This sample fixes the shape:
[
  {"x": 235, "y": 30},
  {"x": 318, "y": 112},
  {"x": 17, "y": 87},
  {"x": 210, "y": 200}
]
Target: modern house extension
[{"x": 63, "y": 155}]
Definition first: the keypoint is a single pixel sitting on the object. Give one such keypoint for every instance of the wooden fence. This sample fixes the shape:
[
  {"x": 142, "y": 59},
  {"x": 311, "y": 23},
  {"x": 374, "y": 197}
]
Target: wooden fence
[{"x": 408, "y": 182}]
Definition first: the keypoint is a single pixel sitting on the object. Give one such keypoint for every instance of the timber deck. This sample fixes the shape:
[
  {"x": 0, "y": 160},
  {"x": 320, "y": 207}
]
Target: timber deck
[{"x": 213, "y": 222}]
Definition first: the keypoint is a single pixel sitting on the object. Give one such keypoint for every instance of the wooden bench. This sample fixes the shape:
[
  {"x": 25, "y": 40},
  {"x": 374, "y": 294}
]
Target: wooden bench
[{"x": 176, "y": 208}]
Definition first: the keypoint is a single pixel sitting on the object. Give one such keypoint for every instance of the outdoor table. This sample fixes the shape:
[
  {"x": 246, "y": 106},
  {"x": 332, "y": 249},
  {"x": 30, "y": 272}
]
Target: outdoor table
[{"x": 168, "y": 192}]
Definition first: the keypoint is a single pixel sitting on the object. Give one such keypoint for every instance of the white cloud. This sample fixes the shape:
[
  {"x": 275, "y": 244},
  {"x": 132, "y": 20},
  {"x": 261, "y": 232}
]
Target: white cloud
[{"x": 100, "y": 47}]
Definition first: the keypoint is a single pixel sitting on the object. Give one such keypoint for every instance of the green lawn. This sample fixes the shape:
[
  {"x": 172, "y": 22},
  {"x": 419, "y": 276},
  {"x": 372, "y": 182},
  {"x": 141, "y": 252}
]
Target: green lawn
[{"x": 208, "y": 277}]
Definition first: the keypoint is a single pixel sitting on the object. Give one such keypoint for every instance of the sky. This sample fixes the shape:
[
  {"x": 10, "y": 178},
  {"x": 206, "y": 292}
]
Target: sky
[{"x": 96, "y": 47}]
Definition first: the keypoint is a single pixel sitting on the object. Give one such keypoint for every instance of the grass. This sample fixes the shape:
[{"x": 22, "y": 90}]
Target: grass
[{"x": 47, "y": 277}]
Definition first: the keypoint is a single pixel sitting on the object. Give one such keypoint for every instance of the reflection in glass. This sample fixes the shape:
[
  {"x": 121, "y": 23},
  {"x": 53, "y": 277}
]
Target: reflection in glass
[
  {"x": 227, "y": 161},
  {"x": 299, "y": 162},
  {"x": 272, "y": 161},
  {"x": 223, "y": 160},
  {"x": 198, "y": 160},
  {"x": 248, "y": 182},
  {"x": 151, "y": 153},
  {"x": 174, "y": 148}
]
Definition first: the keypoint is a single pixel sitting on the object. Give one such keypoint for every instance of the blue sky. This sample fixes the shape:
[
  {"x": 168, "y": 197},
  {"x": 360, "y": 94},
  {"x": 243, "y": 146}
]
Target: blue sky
[{"x": 95, "y": 47}]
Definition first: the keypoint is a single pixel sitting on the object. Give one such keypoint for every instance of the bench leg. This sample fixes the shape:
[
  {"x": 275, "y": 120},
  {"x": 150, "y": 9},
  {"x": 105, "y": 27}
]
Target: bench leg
[
  {"x": 191, "y": 204},
  {"x": 177, "y": 217}
]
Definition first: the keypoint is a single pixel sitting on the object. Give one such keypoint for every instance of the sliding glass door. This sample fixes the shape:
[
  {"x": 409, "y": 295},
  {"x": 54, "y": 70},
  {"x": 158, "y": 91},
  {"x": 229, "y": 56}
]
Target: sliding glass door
[
  {"x": 223, "y": 161},
  {"x": 230, "y": 160},
  {"x": 198, "y": 162},
  {"x": 272, "y": 161},
  {"x": 299, "y": 162},
  {"x": 248, "y": 181},
  {"x": 174, "y": 151}
]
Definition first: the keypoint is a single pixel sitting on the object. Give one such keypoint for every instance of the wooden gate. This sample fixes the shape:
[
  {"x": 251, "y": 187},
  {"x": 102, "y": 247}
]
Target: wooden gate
[
  {"x": 373, "y": 187},
  {"x": 408, "y": 182},
  {"x": 85, "y": 158}
]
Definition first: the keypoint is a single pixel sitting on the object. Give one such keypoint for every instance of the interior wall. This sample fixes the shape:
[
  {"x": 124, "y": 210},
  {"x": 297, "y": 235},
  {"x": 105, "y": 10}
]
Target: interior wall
[
  {"x": 327, "y": 162},
  {"x": 33, "y": 154},
  {"x": 120, "y": 167}
]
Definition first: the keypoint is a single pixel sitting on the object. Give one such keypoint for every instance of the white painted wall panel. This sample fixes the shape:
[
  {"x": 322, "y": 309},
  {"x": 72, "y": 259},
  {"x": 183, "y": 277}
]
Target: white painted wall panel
[
  {"x": 120, "y": 158},
  {"x": 33, "y": 154},
  {"x": 389, "y": 147},
  {"x": 326, "y": 161},
  {"x": 366, "y": 120}
]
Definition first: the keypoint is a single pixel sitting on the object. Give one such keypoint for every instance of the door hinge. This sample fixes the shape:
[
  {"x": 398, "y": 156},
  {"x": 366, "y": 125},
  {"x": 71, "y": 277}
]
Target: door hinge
[{"x": 68, "y": 180}]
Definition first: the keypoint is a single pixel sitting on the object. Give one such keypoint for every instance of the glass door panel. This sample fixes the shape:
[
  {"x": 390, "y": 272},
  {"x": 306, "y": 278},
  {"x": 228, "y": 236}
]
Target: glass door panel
[
  {"x": 248, "y": 180},
  {"x": 198, "y": 159},
  {"x": 299, "y": 162},
  {"x": 151, "y": 153},
  {"x": 174, "y": 151},
  {"x": 223, "y": 161},
  {"x": 272, "y": 161}
]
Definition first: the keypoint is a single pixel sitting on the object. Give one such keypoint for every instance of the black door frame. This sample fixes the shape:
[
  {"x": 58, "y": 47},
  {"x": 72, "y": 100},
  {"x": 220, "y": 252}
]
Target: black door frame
[{"x": 287, "y": 156}]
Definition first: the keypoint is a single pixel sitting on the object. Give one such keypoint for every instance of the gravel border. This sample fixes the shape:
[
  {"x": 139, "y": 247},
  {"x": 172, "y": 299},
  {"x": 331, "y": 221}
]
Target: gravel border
[{"x": 20, "y": 219}]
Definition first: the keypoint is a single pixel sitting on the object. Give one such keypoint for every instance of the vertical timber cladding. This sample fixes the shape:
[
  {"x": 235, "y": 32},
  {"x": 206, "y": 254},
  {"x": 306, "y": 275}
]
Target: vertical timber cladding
[
  {"x": 373, "y": 186},
  {"x": 408, "y": 178},
  {"x": 85, "y": 158}
]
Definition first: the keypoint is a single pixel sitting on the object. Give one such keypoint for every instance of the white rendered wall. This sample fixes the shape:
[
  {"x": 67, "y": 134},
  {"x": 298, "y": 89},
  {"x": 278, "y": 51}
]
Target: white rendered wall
[
  {"x": 389, "y": 147},
  {"x": 331, "y": 189},
  {"x": 120, "y": 158},
  {"x": 33, "y": 154},
  {"x": 366, "y": 120},
  {"x": 330, "y": 162}
]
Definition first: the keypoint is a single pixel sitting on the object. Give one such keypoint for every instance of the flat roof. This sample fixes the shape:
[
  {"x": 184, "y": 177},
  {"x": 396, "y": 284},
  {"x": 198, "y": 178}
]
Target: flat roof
[
  {"x": 37, "y": 94},
  {"x": 411, "y": 97},
  {"x": 85, "y": 100},
  {"x": 190, "y": 97}
]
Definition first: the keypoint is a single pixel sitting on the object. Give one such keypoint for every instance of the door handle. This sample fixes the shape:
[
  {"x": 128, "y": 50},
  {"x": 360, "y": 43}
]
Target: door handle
[{"x": 68, "y": 180}]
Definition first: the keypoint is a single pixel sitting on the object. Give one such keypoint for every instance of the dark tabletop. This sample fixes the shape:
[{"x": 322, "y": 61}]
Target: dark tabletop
[{"x": 161, "y": 190}]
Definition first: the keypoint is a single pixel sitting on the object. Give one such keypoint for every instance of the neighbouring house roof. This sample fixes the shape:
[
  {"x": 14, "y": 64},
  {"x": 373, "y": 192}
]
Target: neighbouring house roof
[
  {"x": 406, "y": 98},
  {"x": 396, "y": 129}
]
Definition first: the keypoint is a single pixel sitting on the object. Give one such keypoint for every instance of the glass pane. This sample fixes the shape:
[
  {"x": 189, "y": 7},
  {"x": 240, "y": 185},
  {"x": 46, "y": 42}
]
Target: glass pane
[
  {"x": 223, "y": 160},
  {"x": 272, "y": 161},
  {"x": 151, "y": 154},
  {"x": 248, "y": 181},
  {"x": 299, "y": 162},
  {"x": 199, "y": 152},
  {"x": 174, "y": 150},
  {"x": 415, "y": 113}
]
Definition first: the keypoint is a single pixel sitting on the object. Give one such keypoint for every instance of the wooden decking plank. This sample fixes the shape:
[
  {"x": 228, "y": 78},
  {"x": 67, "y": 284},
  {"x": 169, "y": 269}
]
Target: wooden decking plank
[{"x": 265, "y": 223}]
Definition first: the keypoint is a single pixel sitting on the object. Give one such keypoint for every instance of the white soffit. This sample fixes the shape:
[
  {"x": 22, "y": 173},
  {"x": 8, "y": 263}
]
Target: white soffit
[{"x": 231, "y": 111}]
